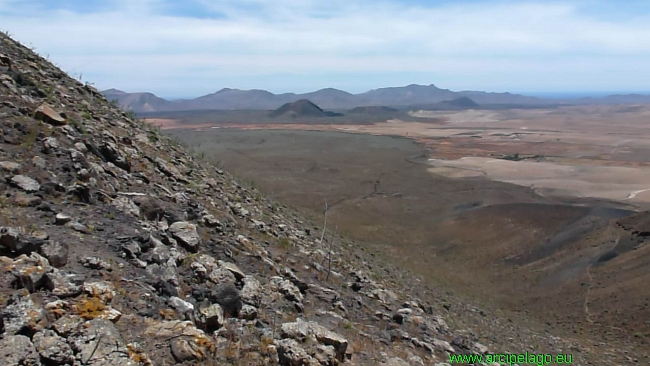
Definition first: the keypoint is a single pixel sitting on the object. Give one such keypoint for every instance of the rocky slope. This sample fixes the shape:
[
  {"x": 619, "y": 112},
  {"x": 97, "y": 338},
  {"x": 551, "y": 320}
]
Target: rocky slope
[{"x": 118, "y": 247}]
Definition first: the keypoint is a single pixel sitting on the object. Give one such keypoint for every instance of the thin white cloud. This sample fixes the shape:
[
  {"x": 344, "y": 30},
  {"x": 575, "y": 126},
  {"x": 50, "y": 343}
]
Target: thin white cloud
[{"x": 134, "y": 40}]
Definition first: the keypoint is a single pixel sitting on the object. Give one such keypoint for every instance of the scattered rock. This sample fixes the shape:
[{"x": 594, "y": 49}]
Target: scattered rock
[
  {"x": 300, "y": 330},
  {"x": 25, "y": 183},
  {"x": 103, "y": 290},
  {"x": 251, "y": 292},
  {"x": 98, "y": 342},
  {"x": 212, "y": 317},
  {"x": 55, "y": 252},
  {"x": 18, "y": 350},
  {"x": 94, "y": 263},
  {"x": 9, "y": 167},
  {"x": 47, "y": 114},
  {"x": 291, "y": 354},
  {"x": 62, "y": 284},
  {"x": 239, "y": 274},
  {"x": 62, "y": 219},
  {"x": 186, "y": 235},
  {"x": 29, "y": 271},
  {"x": 126, "y": 205},
  {"x": 248, "y": 312},
  {"x": 52, "y": 348},
  {"x": 22, "y": 316}
]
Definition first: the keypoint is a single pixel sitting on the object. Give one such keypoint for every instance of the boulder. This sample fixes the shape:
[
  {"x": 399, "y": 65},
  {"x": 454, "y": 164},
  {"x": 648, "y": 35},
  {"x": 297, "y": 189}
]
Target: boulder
[
  {"x": 22, "y": 316},
  {"x": 238, "y": 273},
  {"x": 185, "y": 233},
  {"x": 103, "y": 290},
  {"x": 25, "y": 183},
  {"x": 56, "y": 253},
  {"x": 212, "y": 317},
  {"x": 126, "y": 205},
  {"x": 48, "y": 115},
  {"x": 18, "y": 350},
  {"x": 300, "y": 330},
  {"x": 188, "y": 343},
  {"x": 251, "y": 292},
  {"x": 98, "y": 342},
  {"x": 54, "y": 349},
  {"x": 9, "y": 167},
  {"x": 29, "y": 271},
  {"x": 290, "y": 353},
  {"x": 287, "y": 288},
  {"x": 63, "y": 284}
]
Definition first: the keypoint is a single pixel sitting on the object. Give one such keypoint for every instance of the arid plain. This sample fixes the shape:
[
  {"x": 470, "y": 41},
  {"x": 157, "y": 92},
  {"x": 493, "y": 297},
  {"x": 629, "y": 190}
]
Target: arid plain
[{"x": 536, "y": 211}]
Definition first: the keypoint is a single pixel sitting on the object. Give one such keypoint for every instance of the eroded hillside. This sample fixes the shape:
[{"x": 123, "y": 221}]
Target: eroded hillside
[{"x": 120, "y": 248}]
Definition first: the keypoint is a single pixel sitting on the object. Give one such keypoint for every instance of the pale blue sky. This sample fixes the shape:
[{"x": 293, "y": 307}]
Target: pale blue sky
[{"x": 186, "y": 48}]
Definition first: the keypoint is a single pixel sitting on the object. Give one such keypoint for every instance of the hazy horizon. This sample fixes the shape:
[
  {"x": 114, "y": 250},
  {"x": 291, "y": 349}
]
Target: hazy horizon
[
  {"x": 194, "y": 47},
  {"x": 542, "y": 94}
]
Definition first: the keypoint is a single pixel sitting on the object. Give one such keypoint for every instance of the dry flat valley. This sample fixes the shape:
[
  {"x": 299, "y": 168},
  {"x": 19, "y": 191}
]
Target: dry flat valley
[{"x": 536, "y": 211}]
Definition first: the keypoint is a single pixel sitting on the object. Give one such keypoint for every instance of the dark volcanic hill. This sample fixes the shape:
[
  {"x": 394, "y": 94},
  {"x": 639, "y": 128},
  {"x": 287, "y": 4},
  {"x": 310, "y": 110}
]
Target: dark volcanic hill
[
  {"x": 301, "y": 108},
  {"x": 457, "y": 104}
]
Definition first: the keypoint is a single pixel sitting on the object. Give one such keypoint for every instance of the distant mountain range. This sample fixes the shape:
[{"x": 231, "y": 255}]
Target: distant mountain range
[{"x": 399, "y": 97}]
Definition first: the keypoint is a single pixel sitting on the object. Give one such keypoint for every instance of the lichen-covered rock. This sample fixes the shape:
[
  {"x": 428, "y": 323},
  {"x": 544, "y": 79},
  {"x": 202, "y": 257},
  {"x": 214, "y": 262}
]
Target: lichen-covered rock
[
  {"x": 187, "y": 342},
  {"x": 67, "y": 324},
  {"x": 25, "y": 183},
  {"x": 18, "y": 350},
  {"x": 291, "y": 354},
  {"x": 300, "y": 330},
  {"x": 54, "y": 349},
  {"x": 98, "y": 342},
  {"x": 22, "y": 316},
  {"x": 326, "y": 355},
  {"x": 211, "y": 317},
  {"x": 63, "y": 284},
  {"x": 29, "y": 271},
  {"x": 288, "y": 289},
  {"x": 186, "y": 235},
  {"x": 248, "y": 312},
  {"x": 95, "y": 263},
  {"x": 251, "y": 292},
  {"x": 56, "y": 253},
  {"x": 126, "y": 205},
  {"x": 103, "y": 290}
]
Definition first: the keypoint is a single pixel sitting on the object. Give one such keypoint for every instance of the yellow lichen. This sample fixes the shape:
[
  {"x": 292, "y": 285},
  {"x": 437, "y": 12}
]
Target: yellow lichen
[{"x": 90, "y": 307}]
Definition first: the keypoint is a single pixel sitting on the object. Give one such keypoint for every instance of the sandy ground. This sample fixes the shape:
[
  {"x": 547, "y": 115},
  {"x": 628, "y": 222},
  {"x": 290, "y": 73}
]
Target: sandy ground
[
  {"x": 586, "y": 151},
  {"x": 608, "y": 182}
]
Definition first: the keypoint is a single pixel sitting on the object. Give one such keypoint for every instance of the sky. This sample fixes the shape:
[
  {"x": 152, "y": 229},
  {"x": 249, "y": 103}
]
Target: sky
[{"x": 188, "y": 48}]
